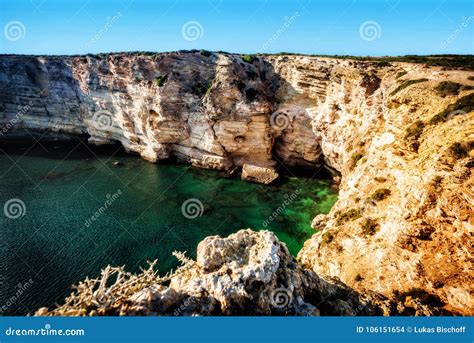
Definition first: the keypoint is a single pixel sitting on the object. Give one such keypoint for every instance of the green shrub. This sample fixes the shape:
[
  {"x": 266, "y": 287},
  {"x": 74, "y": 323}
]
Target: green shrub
[
  {"x": 462, "y": 105},
  {"x": 446, "y": 88},
  {"x": 328, "y": 237},
  {"x": 415, "y": 130},
  {"x": 205, "y": 53},
  {"x": 461, "y": 150},
  {"x": 160, "y": 81},
  {"x": 369, "y": 227},
  {"x": 355, "y": 158},
  {"x": 248, "y": 58},
  {"x": 380, "y": 194},
  {"x": 349, "y": 215},
  {"x": 400, "y": 74},
  {"x": 406, "y": 84}
]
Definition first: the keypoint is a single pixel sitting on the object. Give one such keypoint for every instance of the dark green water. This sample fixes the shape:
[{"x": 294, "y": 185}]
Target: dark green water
[{"x": 55, "y": 244}]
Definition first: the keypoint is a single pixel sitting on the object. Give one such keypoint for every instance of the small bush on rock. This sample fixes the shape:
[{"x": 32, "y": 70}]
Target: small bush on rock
[
  {"x": 369, "y": 227},
  {"x": 446, "y": 88},
  {"x": 355, "y": 158},
  {"x": 160, "y": 81},
  {"x": 462, "y": 105},
  {"x": 461, "y": 150},
  {"x": 248, "y": 58},
  {"x": 400, "y": 74},
  {"x": 328, "y": 238},
  {"x": 205, "y": 53},
  {"x": 380, "y": 194},
  {"x": 349, "y": 215},
  {"x": 415, "y": 130},
  {"x": 406, "y": 84}
]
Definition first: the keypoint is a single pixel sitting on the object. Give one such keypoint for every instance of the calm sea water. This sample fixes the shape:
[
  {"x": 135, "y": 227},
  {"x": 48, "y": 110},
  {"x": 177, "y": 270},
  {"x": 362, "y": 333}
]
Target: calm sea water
[{"x": 137, "y": 210}]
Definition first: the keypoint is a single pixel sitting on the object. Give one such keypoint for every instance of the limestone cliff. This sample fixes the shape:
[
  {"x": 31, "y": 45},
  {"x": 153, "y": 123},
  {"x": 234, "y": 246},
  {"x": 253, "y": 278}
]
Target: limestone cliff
[{"x": 398, "y": 135}]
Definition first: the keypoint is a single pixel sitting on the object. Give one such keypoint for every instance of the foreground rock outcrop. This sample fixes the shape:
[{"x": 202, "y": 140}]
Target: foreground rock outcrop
[
  {"x": 398, "y": 136},
  {"x": 247, "y": 273}
]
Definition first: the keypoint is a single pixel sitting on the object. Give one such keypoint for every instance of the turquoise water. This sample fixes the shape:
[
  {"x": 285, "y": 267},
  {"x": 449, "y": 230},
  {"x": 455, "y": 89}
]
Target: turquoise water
[{"x": 137, "y": 210}]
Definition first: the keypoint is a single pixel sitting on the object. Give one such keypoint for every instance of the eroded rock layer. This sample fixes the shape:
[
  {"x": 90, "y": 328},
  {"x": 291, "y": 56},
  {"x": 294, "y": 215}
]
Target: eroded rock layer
[{"x": 399, "y": 135}]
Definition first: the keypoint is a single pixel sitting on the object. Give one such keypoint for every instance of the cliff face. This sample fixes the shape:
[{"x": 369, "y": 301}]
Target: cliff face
[
  {"x": 212, "y": 111},
  {"x": 400, "y": 136}
]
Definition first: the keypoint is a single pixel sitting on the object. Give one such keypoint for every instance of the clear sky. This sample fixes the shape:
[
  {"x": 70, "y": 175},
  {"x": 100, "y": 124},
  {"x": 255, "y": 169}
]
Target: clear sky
[{"x": 354, "y": 27}]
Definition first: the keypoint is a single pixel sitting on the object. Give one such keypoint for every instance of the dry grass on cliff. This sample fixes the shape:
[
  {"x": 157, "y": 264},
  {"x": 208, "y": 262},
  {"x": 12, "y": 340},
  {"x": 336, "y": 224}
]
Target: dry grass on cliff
[{"x": 107, "y": 294}]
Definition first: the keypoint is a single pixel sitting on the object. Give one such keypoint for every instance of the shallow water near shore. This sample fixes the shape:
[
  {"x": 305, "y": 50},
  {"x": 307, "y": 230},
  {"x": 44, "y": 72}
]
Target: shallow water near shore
[{"x": 85, "y": 208}]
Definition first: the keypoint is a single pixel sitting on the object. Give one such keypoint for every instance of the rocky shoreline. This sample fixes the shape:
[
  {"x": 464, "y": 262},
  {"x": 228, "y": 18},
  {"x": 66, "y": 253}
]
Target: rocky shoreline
[{"x": 398, "y": 135}]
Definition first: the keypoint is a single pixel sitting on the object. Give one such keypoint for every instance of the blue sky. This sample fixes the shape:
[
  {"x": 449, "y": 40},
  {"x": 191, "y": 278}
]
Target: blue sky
[{"x": 354, "y": 27}]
